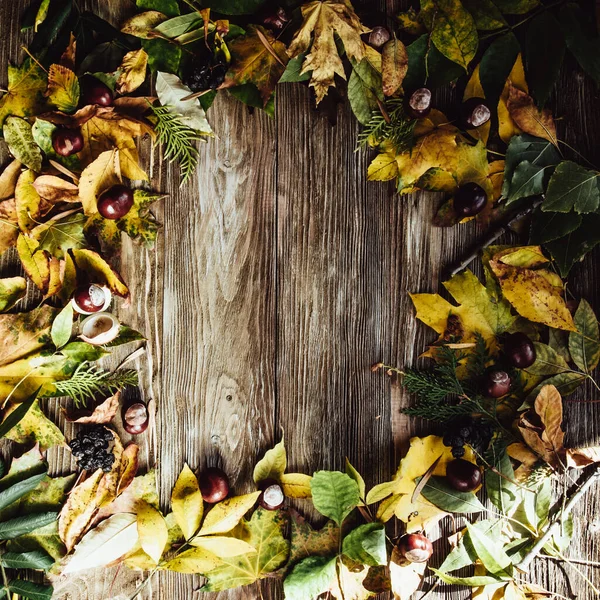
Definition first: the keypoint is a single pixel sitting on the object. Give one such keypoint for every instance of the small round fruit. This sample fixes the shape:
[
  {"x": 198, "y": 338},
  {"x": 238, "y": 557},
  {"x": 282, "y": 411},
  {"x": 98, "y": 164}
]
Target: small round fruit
[
  {"x": 214, "y": 485},
  {"x": 475, "y": 113},
  {"x": 463, "y": 475},
  {"x": 469, "y": 200},
  {"x": 95, "y": 92},
  {"x": 276, "y": 20},
  {"x": 272, "y": 496},
  {"x": 66, "y": 141},
  {"x": 496, "y": 383},
  {"x": 89, "y": 298},
  {"x": 115, "y": 202},
  {"x": 419, "y": 103},
  {"x": 136, "y": 418},
  {"x": 415, "y": 547},
  {"x": 378, "y": 36},
  {"x": 519, "y": 350}
]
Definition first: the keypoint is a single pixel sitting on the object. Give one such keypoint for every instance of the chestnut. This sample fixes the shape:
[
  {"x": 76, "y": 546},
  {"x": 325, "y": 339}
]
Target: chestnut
[
  {"x": 276, "y": 20},
  {"x": 272, "y": 496},
  {"x": 469, "y": 200},
  {"x": 93, "y": 91},
  {"x": 377, "y": 37},
  {"x": 214, "y": 485},
  {"x": 66, "y": 141},
  {"x": 474, "y": 113},
  {"x": 136, "y": 418},
  {"x": 415, "y": 547},
  {"x": 418, "y": 104},
  {"x": 519, "y": 350},
  {"x": 91, "y": 298},
  {"x": 496, "y": 383},
  {"x": 115, "y": 202},
  {"x": 463, "y": 475}
]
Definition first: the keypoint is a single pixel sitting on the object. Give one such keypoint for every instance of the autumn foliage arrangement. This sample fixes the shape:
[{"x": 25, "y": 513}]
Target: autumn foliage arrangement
[{"x": 511, "y": 347}]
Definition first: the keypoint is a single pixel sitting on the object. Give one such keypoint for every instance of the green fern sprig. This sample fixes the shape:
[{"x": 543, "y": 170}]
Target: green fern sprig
[
  {"x": 88, "y": 381},
  {"x": 178, "y": 138},
  {"x": 394, "y": 127}
]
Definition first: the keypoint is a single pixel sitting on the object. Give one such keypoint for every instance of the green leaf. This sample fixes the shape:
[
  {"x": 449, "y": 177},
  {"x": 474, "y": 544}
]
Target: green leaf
[
  {"x": 272, "y": 465},
  {"x": 499, "y": 488},
  {"x": 572, "y": 187},
  {"x": 16, "y": 415},
  {"x": 364, "y": 88},
  {"x": 565, "y": 383},
  {"x": 366, "y": 545},
  {"x": 486, "y": 15},
  {"x": 334, "y": 494},
  {"x": 42, "y": 13},
  {"x": 234, "y": 7},
  {"x": 28, "y": 589},
  {"x": 559, "y": 342},
  {"x": 438, "y": 492},
  {"x": 37, "y": 559},
  {"x": 493, "y": 557},
  {"x": 42, "y": 134},
  {"x": 18, "y": 136},
  {"x": 62, "y": 327},
  {"x": 306, "y": 541},
  {"x": 547, "y": 361},
  {"x": 167, "y": 7},
  {"x": 179, "y": 25},
  {"x": 310, "y": 578},
  {"x": 293, "y": 71},
  {"x": 25, "y": 524},
  {"x": 162, "y": 55},
  {"x": 496, "y": 64},
  {"x": 57, "y": 237},
  {"x": 547, "y": 226},
  {"x": 584, "y": 344},
  {"x": 544, "y": 53},
  {"x": 581, "y": 39},
  {"x": 12, "y": 289},
  {"x": 352, "y": 472},
  {"x": 516, "y": 7},
  {"x": 19, "y": 489},
  {"x": 476, "y": 581},
  {"x": 249, "y": 94},
  {"x": 45, "y": 539}
]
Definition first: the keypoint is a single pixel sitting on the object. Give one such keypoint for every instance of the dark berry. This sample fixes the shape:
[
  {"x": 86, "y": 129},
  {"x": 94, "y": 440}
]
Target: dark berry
[
  {"x": 469, "y": 200},
  {"x": 418, "y": 104},
  {"x": 276, "y": 20},
  {"x": 91, "y": 448},
  {"x": 496, "y": 383},
  {"x": 67, "y": 141},
  {"x": 90, "y": 298},
  {"x": 95, "y": 92},
  {"x": 415, "y": 547},
  {"x": 136, "y": 418},
  {"x": 214, "y": 485},
  {"x": 207, "y": 72},
  {"x": 377, "y": 37},
  {"x": 475, "y": 113},
  {"x": 115, "y": 202},
  {"x": 458, "y": 452},
  {"x": 519, "y": 350},
  {"x": 463, "y": 475},
  {"x": 272, "y": 496}
]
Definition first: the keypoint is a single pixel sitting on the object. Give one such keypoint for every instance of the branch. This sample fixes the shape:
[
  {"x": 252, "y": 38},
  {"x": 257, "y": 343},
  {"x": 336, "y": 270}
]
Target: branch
[{"x": 591, "y": 478}]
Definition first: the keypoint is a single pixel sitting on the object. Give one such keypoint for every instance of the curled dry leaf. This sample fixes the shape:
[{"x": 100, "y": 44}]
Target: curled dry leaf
[
  {"x": 582, "y": 457},
  {"x": 103, "y": 413},
  {"x": 406, "y": 577},
  {"x": 528, "y": 117},
  {"x": 8, "y": 179},
  {"x": 54, "y": 189},
  {"x": 133, "y": 71}
]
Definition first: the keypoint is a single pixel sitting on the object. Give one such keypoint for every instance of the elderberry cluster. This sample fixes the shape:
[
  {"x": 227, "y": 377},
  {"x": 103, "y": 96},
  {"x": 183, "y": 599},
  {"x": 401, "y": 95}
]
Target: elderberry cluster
[
  {"x": 91, "y": 448},
  {"x": 470, "y": 431},
  {"x": 207, "y": 73}
]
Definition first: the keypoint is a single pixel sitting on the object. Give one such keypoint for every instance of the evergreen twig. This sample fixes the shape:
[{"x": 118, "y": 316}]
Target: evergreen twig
[{"x": 393, "y": 127}]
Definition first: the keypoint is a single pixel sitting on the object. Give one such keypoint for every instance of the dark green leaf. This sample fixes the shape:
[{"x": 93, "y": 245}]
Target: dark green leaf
[
  {"x": 25, "y": 524},
  {"x": 16, "y": 415},
  {"x": 364, "y": 88},
  {"x": 310, "y": 578},
  {"x": 516, "y": 7},
  {"x": 548, "y": 226},
  {"x": 30, "y": 590},
  {"x": 18, "y": 490},
  {"x": 572, "y": 187},
  {"x": 438, "y": 492},
  {"x": 162, "y": 55},
  {"x": 565, "y": 383},
  {"x": 584, "y": 344},
  {"x": 334, "y": 494},
  {"x": 366, "y": 545},
  {"x": 249, "y": 94},
  {"x": 544, "y": 53},
  {"x": 486, "y": 14},
  {"x": 293, "y": 71},
  {"x": 547, "y": 361},
  {"x": 234, "y": 7},
  {"x": 51, "y": 28},
  {"x": 37, "y": 559},
  {"x": 166, "y": 7},
  {"x": 528, "y": 180},
  {"x": 496, "y": 64},
  {"x": 104, "y": 57},
  {"x": 62, "y": 327}
]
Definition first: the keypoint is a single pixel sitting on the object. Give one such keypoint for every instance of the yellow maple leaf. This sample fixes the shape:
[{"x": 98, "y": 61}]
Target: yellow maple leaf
[
  {"x": 322, "y": 20},
  {"x": 26, "y": 87},
  {"x": 133, "y": 71}
]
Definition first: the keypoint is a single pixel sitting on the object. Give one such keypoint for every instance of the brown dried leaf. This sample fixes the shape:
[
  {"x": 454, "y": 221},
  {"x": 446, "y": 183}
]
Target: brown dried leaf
[
  {"x": 68, "y": 56},
  {"x": 133, "y": 71},
  {"x": 54, "y": 189},
  {"x": 9, "y": 228},
  {"x": 582, "y": 457},
  {"x": 103, "y": 413},
  {"x": 528, "y": 117},
  {"x": 394, "y": 66}
]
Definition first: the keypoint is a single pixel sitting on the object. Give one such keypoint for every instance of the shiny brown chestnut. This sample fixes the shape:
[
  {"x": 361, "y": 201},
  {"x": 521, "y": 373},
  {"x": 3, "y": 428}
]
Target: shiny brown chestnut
[
  {"x": 377, "y": 37},
  {"x": 496, "y": 383},
  {"x": 470, "y": 199},
  {"x": 93, "y": 91},
  {"x": 136, "y": 418},
  {"x": 115, "y": 202},
  {"x": 415, "y": 547},
  {"x": 463, "y": 475},
  {"x": 519, "y": 350},
  {"x": 66, "y": 141},
  {"x": 214, "y": 485}
]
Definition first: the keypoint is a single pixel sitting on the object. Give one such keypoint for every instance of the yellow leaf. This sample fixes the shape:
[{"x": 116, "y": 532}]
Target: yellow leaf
[
  {"x": 272, "y": 465},
  {"x": 533, "y": 296},
  {"x": 507, "y": 128},
  {"x": 142, "y": 24},
  {"x": 528, "y": 117},
  {"x": 418, "y": 515},
  {"x": 133, "y": 71},
  {"x": 9, "y": 228},
  {"x": 186, "y": 502},
  {"x": 93, "y": 264},
  {"x": 56, "y": 270},
  {"x": 322, "y": 20},
  {"x": 223, "y": 547},
  {"x": 405, "y": 577},
  {"x": 387, "y": 509},
  {"x": 63, "y": 88},
  {"x": 528, "y": 257},
  {"x": 35, "y": 428},
  {"x": 474, "y": 89},
  {"x": 394, "y": 66},
  {"x": 9, "y": 178},
  {"x": 152, "y": 531},
  {"x": 225, "y": 515},
  {"x": 194, "y": 560},
  {"x": 384, "y": 167},
  {"x": 34, "y": 261},
  {"x": 26, "y": 87},
  {"x": 27, "y": 201},
  {"x": 97, "y": 177},
  {"x": 296, "y": 485}
]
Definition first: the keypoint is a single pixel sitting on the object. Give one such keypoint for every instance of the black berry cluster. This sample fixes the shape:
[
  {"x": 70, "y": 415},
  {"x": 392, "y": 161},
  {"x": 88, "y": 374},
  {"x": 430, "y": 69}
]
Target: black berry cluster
[
  {"x": 206, "y": 73},
  {"x": 92, "y": 450},
  {"x": 467, "y": 430}
]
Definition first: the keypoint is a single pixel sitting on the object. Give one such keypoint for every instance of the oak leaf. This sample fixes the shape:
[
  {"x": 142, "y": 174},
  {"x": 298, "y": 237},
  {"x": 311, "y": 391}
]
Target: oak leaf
[
  {"x": 321, "y": 21},
  {"x": 132, "y": 71},
  {"x": 63, "y": 88},
  {"x": 539, "y": 123}
]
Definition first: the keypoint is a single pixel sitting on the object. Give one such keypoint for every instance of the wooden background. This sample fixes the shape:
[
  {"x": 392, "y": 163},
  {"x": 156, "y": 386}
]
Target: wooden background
[{"x": 280, "y": 276}]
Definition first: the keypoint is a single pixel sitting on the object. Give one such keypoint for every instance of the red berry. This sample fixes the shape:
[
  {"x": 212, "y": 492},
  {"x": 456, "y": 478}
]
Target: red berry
[
  {"x": 115, "y": 202},
  {"x": 496, "y": 384},
  {"x": 214, "y": 485},
  {"x": 67, "y": 141},
  {"x": 136, "y": 418},
  {"x": 519, "y": 350},
  {"x": 90, "y": 298},
  {"x": 272, "y": 496},
  {"x": 475, "y": 113},
  {"x": 469, "y": 200},
  {"x": 415, "y": 547},
  {"x": 463, "y": 475},
  {"x": 95, "y": 92},
  {"x": 418, "y": 104}
]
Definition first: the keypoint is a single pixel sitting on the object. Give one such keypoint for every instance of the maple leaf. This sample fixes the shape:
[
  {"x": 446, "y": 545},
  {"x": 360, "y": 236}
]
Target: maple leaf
[
  {"x": 256, "y": 58},
  {"x": 323, "y": 19},
  {"x": 25, "y": 95}
]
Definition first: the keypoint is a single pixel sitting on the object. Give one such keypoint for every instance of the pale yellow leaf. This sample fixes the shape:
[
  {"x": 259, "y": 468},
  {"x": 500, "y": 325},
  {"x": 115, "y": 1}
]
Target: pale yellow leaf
[
  {"x": 296, "y": 485},
  {"x": 272, "y": 465},
  {"x": 225, "y": 515},
  {"x": 186, "y": 502},
  {"x": 223, "y": 547},
  {"x": 152, "y": 531}
]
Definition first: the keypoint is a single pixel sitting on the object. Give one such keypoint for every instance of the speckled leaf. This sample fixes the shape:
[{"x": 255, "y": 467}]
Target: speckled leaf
[
  {"x": 584, "y": 344},
  {"x": 547, "y": 362},
  {"x": 18, "y": 136},
  {"x": 306, "y": 541},
  {"x": 63, "y": 88},
  {"x": 35, "y": 427},
  {"x": 12, "y": 289},
  {"x": 394, "y": 66},
  {"x": 364, "y": 90},
  {"x": 187, "y": 503},
  {"x": 142, "y": 24},
  {"x": 26, "y": 87}
]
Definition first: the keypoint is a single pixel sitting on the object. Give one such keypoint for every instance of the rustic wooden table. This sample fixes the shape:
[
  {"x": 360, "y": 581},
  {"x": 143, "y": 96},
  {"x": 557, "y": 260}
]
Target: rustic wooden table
[{"x": 280, "y": 276}]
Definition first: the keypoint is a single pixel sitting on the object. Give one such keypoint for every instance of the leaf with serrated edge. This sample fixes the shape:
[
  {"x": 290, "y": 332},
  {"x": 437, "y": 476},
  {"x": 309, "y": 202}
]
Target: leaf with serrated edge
[
  {"x": 186, "y": 502},
  {"x": 63, "y": 88},
  {"x": 335, "y": 495},
  {"x": 310, "y": 578},
  {"x": 225, "y": 515}
]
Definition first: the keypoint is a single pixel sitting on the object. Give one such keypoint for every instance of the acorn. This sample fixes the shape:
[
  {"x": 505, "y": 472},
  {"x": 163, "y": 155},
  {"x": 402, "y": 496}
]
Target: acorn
[
  {"x": 469, "y": 200},
  {"x": 462, "y": 475},
  {"x": 415, "y": 547},
  {"x": 91, "y": 298},
  {"x": 496, "y": 383},
  {"x": 418, "y": 104},
  {"x": 136, "y": 418},
  {"x": 475, "y": 113},
  {"x": 115, "y": 202},
  {"x": 214, "y": 485},
  {"x": 519, "y": 350},
  {"x": 66, "y": 141},
  {"x": 272, "y": 496},
  {"x": 93, "y": 91}
]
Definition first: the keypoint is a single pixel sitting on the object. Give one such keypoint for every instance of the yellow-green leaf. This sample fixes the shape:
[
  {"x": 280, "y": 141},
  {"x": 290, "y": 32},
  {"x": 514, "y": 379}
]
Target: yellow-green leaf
[
  {"x": 222, "y": 546},
  {"x": 133, "y": 71},
  {"x": 92, "y": 263},
  {"x": 194, "y": 560},
  {"x": 225, "y": 515},
  {"x": 26, "y": 87},
  {"x": 272, "y": 465},
  {"x": 394, "y": 66},
  {"x": 383, "y": 167},
  {"x": 63, "y": 88},
  {"x": 34, "y": 261},
  {"x": 152, "y": 531},
  {"x": 12, "y": 289},
  {"x": 97, "y": 177},
  {"x": 35, "y": 427},
  {"x": 27, "y": 201},
  {"x": 18, "y": 136},
  {"x": 186, "y": 502},
  {"x": 296, "y": 485}
]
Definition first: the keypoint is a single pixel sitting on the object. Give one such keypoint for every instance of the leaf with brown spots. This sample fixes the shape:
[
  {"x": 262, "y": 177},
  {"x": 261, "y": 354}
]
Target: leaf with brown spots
[
  {"x": 306, "y": 541},
  {"x": 394, "y": 66},
  {"x": 63, "y": 88},
  {"x": 35, "y": 428},
  {"x": 528, "y": 117}
]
